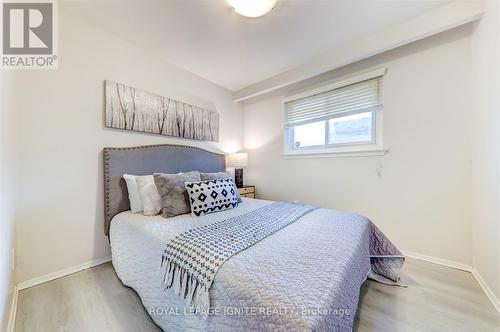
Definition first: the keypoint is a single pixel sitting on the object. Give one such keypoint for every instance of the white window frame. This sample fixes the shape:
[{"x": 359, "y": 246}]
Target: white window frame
[{"x": 374, "y": 147}]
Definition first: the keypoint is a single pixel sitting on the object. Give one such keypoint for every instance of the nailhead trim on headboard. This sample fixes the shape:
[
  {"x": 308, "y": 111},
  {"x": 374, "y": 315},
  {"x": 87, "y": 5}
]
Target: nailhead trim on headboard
[{"x": 107, "y": 209}]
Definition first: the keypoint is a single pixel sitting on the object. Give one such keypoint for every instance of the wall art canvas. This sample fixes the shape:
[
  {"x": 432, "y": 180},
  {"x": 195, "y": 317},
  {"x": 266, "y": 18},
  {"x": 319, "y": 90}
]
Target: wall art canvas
[{"x": 129, "y": 108}]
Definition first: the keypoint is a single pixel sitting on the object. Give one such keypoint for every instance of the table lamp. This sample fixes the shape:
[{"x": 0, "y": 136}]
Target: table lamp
[{"x": 238, "y": 161}]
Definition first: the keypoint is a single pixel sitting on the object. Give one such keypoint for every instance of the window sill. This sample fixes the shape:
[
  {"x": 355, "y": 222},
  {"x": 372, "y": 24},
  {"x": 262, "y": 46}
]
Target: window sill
[{"x": 334, "y": 154}]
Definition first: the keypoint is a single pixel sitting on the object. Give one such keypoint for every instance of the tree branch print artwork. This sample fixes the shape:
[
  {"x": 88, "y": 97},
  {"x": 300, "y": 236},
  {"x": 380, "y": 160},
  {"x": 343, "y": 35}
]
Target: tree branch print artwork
[{"x": 128, "y": 108}]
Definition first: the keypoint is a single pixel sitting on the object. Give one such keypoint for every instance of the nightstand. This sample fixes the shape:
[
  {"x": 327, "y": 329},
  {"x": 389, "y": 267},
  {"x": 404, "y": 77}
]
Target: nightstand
[{"x": 247, "y": 191}]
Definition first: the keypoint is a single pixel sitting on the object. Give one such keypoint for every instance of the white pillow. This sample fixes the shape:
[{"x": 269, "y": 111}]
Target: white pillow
[
  {"x": 136, "y": 205},
  {"x": 150, "y": 197}
]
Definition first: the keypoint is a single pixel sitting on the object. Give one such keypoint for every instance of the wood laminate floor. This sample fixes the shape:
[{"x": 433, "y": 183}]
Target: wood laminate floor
[{"x": 437, "y": 299}]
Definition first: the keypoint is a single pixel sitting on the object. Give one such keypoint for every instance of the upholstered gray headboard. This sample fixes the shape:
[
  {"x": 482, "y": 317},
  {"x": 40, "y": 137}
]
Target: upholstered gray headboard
[{"x": 144, "y": 160}]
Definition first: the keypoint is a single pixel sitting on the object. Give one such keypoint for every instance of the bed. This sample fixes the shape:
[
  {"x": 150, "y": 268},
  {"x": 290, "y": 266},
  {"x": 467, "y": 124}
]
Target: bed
[{"x": 304, "y": 277}]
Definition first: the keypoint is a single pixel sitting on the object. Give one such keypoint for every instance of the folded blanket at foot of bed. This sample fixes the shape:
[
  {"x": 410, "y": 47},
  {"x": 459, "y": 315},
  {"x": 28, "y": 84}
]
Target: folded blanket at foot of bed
[{"x": 192, "y": 259}]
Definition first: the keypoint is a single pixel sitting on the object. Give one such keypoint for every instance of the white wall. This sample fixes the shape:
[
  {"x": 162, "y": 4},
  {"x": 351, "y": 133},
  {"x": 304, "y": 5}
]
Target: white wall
[
  {"x": 6, "y": 208},
  {"x": 60, "y": 136},
  {"x": 422, "y": 197},
  {"x": 486, "y": 146}
]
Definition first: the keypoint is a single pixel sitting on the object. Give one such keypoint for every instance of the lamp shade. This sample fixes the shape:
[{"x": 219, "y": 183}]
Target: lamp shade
[{"x": 237, "y": 159}]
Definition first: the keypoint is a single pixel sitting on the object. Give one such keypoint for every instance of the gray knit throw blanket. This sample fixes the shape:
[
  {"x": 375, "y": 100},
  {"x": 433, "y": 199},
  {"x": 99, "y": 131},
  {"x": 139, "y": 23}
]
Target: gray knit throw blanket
[{"x": 191, "y": 260}]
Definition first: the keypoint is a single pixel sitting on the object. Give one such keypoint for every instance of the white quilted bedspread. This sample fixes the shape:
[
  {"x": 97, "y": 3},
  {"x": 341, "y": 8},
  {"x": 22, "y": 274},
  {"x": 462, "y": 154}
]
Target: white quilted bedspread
[{"x": 305, "y": 277}]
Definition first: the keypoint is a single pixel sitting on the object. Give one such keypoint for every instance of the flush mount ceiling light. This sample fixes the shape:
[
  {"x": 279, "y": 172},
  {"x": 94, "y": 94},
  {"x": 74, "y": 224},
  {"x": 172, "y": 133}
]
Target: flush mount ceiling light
[{"x": 252, "y": 8}]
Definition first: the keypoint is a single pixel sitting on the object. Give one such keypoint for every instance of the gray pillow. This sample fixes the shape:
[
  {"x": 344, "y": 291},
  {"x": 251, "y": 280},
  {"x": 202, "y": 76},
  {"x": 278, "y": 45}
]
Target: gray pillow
[
  {"x": 219, "y": 176},
  {"x": 174, "y": 197},
  {"x": 215, "y": 176}
]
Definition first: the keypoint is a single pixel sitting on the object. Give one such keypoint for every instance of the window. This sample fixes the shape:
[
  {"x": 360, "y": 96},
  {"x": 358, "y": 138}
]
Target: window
[{"x": 344, "y": 117}]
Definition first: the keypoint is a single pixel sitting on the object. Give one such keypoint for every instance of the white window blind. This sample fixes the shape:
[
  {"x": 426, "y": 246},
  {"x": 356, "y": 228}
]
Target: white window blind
[{"x": 362, "y": 96}]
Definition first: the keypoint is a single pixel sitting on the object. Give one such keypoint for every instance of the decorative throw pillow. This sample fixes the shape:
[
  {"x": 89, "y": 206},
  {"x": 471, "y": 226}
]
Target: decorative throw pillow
[
  {"x": 218, "y": 176},
  {"x": 215, "y": 176},
  {"x": 174, "y": 197},
  {"x": 150, "y": 197},
  {"x": 211, "y": 196},
  {"x": 133, "y": 193}
]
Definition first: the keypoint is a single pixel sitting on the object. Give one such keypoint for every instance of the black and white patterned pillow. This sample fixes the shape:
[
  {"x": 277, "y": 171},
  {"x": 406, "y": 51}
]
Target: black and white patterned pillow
[{"x": 211, "y": 196}]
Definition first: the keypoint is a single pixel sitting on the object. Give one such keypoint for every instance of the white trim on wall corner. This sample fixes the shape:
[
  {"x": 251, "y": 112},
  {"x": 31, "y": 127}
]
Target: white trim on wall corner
[
  {"x": 13, "y": 310},
  {"x": 489, "y": 293},
  {"x": 460, "y": 266},
  {"x": 436, "y": 260},
  {"x": 43, "y": 279},
  {"x": 73, "y": 269},
  {"x": 62, "y": 273},
  {"x": 441, "y": 19}
]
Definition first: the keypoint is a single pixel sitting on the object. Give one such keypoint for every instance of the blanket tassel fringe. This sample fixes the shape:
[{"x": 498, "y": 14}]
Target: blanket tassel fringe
[{"x": 185, "y": 285}]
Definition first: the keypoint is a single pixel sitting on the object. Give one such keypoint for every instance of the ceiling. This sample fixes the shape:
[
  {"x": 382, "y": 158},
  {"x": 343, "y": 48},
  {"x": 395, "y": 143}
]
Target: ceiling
[{"x": 207, "y": 38}]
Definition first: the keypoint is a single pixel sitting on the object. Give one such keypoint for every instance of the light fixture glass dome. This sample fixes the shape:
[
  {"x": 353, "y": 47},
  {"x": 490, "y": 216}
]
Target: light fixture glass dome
[{"x": 252, "y": 8}]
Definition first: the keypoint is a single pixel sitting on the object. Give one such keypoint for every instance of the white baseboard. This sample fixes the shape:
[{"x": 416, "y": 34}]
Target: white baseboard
[
  {"x": 61, "y": 273},
  {"x": 46, "y": 278},
  {"x": 13, "y": 310},
  {"x": 436, "y": 260},
  {"x": 73, "y": 269},
  {"x": 489, "y": 293},
  {"x": 460, "y": 266}
]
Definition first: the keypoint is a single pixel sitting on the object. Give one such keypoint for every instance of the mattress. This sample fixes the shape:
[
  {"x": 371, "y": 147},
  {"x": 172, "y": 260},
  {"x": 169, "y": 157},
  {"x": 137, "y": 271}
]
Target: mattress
[{"x": 305, "y": 277}]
